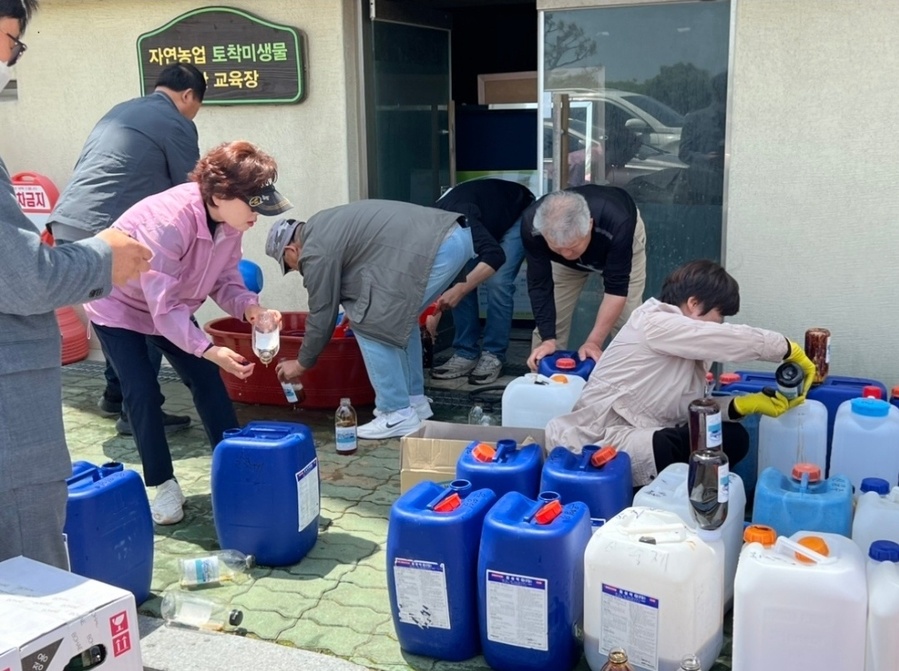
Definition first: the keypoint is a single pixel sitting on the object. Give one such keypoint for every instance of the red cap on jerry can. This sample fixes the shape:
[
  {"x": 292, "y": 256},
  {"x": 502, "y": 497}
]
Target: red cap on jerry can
[
  {"x": 871, "y": 391},
  {"x": 449, "y": 504},
  {"x": 565, "y": 363},
  {"x": 603, "y": 456},
  {"x": 549, "y": 512}
]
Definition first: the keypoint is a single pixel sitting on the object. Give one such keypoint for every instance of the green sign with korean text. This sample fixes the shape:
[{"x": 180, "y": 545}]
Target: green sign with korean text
[{"x": 245, "y": 59}]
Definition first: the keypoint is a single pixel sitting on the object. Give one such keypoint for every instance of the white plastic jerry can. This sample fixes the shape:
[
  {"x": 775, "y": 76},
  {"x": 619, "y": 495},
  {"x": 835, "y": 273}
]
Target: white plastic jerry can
[
  {"x": 800, "y": 603},
  {"x": 797, "y": 436},
  {"x": 876, "y": 515},
  {"x": 653, "y": 587},
  {"x": 531, "y": 400},
  {"x": 882, "y": 649}
]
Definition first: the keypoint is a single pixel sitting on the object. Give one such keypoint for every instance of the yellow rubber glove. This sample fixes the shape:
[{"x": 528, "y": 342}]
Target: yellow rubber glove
[
  {"x": 797, "y": 356},
  {"x": 762, "y": 404}
]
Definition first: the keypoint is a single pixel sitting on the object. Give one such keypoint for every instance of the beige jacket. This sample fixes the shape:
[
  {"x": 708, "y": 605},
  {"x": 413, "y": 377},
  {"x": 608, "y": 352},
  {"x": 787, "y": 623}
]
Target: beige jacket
[{"x": 647, "y": 377}]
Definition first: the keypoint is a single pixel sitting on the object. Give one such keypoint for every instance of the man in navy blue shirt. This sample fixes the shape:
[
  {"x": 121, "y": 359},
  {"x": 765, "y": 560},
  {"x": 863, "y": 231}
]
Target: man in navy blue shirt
[
  {"x": 493, "y": 210},
  {"x": 568, "y": 235},
  {"x": 141, "y": 147}
]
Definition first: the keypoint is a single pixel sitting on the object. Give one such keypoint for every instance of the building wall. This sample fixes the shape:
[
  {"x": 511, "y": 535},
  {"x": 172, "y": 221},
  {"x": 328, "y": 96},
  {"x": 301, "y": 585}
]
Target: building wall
[
  {"x": 82, "y": 60},
  {"x": 811, "y": 231}
]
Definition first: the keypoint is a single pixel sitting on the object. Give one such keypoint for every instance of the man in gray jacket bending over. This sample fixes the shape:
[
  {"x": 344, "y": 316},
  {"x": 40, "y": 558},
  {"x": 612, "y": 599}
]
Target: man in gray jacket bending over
[{"x": 384, "y": 261}]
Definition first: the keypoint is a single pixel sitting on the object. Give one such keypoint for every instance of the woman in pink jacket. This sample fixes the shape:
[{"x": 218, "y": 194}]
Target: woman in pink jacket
[
  {"x": 637, "y": 396},
  {"x": 194, "y": 231}
]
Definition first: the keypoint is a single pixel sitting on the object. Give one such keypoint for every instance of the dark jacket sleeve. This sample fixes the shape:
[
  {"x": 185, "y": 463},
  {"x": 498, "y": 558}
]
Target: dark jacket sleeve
[
  {"x": 616, "y": 276},
  {"x": 182, "y": 151},
  {"x": 486, "y": 247},
  {"x": 540, "y": 278}
]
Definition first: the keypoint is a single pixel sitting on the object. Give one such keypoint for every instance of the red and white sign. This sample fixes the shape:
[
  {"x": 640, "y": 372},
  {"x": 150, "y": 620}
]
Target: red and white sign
[{"x": 37, "y": 196}]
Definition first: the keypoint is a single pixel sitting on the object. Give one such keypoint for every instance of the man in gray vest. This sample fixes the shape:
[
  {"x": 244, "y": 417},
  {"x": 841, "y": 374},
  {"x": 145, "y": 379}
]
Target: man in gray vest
[
  {"x": 35, "y": 280},
  {"x": 139, "y": 148}
]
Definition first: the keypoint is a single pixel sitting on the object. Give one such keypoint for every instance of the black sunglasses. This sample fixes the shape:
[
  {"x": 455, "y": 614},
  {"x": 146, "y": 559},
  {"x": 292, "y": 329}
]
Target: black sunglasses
[{"x": 18, "y": 49}]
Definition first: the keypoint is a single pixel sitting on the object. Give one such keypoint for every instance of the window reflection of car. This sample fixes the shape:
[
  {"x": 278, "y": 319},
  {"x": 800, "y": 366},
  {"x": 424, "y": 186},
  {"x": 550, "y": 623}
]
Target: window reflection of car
[
  {"x": 658, "y": 125},
  {"x": 599, "y": 159}
]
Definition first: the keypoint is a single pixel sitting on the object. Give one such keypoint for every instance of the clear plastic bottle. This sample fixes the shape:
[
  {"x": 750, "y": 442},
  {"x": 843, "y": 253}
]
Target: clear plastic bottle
[
  {"x": 345, "y": 428},
  {"x": 266, "y": 337},
  {"x": 617, "y": 661},
  {"x": 708, "y": 486},
  {"x": 216, "y": 568},
  {"x": 690, "y": 663},
  {"x": 481, "y": 416},
  {"x": 194, "y": 612}
]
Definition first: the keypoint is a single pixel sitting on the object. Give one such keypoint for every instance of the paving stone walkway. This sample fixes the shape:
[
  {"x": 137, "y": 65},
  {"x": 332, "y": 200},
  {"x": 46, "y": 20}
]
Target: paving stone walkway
[{"x": 335, "y": 600}]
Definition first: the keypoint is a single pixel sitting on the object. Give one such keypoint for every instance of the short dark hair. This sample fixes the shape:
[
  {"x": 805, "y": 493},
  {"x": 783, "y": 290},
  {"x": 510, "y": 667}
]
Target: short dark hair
[
  {"x": 707, "y": 282},
  {"x": 18, "y": 9},
  {"x": 180, "y": 77},
  {"x": 232, "y": 170}
]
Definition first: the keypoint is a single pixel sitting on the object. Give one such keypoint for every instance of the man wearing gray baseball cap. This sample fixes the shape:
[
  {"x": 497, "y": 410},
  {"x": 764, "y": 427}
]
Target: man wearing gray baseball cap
[{"x": 384, "y": 261}]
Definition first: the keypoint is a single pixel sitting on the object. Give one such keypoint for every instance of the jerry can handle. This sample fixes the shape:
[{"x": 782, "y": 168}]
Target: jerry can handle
[
  {"x": 90, "y": 475},
  {"x": 503, "y": 448},
  {"x": 586, "y": 455},
  {"x": 786, "y": 546},
  {"x": 459, "y": 488},
  {"x": 543, "y": 504}
]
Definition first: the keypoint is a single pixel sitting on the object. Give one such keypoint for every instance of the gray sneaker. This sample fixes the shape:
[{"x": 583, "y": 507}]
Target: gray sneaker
[
  {"x": 457, "y": 366},
  {"x": 488, "y": 369}
]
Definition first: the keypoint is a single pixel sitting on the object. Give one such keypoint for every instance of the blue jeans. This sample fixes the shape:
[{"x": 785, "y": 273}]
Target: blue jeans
[
  {"x": 500, "y": 297},
  {"x": 128, "y": 353},
  {"x": 396, "y": 372}
]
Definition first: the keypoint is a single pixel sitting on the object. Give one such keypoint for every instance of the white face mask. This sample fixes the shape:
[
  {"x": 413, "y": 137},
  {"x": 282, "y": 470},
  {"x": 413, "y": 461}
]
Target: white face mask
[{"x": 5, "y": 75}]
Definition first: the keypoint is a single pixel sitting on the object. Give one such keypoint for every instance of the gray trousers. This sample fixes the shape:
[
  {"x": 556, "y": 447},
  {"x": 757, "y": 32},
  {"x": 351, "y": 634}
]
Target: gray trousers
[{"x": 31, "y": 523}]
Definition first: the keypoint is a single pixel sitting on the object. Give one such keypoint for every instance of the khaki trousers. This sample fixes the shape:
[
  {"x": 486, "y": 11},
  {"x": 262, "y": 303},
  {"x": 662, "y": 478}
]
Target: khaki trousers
[{"x": 568, "y": 284}]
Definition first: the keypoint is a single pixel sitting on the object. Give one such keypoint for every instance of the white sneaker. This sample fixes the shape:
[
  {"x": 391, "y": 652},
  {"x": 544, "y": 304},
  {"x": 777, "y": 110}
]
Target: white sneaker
[
  {"x": 168, "y": 506},
  {"x": 390, "y": 425},
  {"x": 421, "y": 405}
]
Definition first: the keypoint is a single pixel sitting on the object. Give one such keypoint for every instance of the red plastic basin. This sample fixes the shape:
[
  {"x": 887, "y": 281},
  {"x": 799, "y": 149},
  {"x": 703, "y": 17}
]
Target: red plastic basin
[{"x": 338, "y": 373}]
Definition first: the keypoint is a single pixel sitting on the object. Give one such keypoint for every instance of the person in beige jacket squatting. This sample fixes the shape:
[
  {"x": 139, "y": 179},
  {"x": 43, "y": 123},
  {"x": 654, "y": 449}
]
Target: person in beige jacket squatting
[{"x": 637, "y": 396}]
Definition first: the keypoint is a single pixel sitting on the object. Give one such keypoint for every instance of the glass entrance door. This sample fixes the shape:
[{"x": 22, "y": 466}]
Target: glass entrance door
[
  {"x": 407, "y": 102},
  {"x": 635, "y": 96}
]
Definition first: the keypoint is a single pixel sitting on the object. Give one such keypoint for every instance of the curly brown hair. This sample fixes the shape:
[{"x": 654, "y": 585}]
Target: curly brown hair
[{"x": 232, "y": 170}]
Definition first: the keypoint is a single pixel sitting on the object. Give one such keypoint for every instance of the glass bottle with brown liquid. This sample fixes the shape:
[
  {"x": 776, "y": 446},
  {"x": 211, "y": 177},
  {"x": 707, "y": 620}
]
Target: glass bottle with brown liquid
[
  {"x": 345, "y": 428},
  {"x": 817, "y": 348},
  {"x": 617, "y": 661}
]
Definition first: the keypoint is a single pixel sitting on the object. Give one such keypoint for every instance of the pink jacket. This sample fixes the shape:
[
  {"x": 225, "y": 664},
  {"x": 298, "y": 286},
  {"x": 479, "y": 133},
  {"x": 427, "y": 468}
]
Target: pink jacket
[
  {"x": 647, "y": 377},
  {"x": 187, "y": 267}
]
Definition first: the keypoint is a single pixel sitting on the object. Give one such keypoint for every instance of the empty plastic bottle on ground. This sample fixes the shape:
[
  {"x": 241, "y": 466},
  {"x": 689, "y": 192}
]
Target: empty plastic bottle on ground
[
  {"x": 195, "y": 612},
  {"x": 223, "y": 566},
  {"x": 345, "y": 428}
]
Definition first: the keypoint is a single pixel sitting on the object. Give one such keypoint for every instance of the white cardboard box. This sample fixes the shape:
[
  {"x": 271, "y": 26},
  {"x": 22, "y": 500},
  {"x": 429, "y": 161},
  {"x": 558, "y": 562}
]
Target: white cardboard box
[
  {"x": 49, "y": 616},
  {"x": 431, "y": 452},
  {"x": 9, "y": 660}
]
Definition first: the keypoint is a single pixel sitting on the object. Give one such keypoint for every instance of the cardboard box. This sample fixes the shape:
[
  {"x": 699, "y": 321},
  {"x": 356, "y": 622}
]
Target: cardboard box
[
  {"x": 9, "y": 660},
  {"x": 49, "y": 616},
  {"x": 431, "y": 452}
]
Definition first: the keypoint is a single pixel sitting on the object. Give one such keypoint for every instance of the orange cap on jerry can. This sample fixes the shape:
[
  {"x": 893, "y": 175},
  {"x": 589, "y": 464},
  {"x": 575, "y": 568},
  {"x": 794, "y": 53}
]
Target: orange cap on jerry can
[
  {"x": 483, "y": 452},
  {"x": 566, "y": 363},
  {"x": 894, "y": 392},
  {"x": 603, "y": 456},
  {"x": 449, "y": 504},
  {"x": 814, "y": 543},
  {"x": 549, "y": 512},
  {"x": 729, "y": 378},
  {"x": 813, "y": 470},
  {"x": 760, "y": 533}
]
